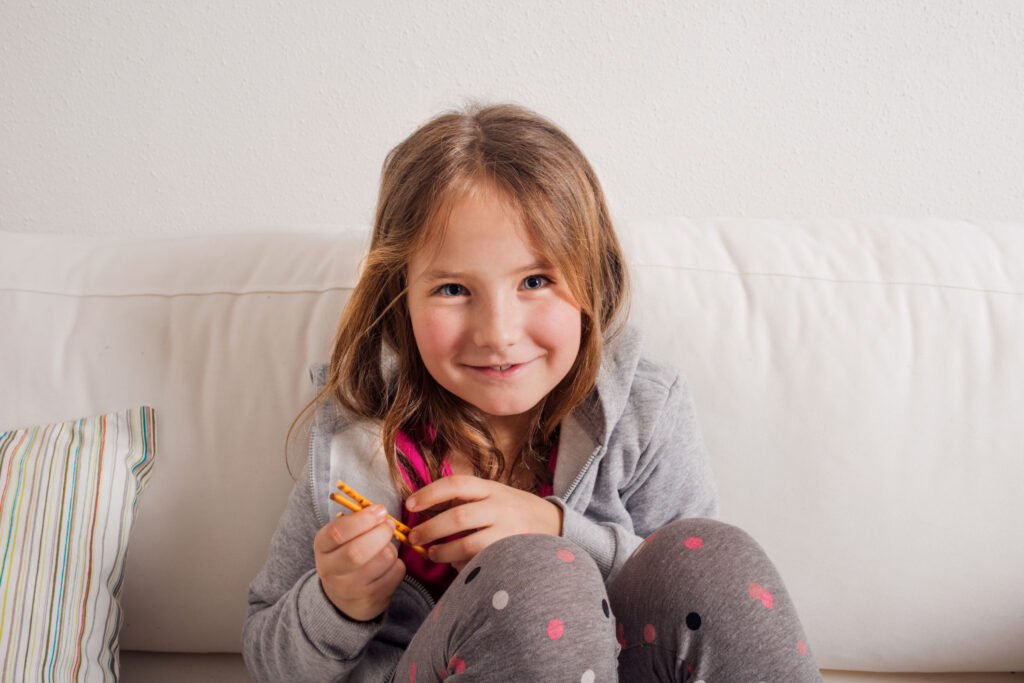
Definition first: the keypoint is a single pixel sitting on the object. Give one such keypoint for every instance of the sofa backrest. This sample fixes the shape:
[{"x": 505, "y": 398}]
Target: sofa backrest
[
  {"x": 216, "y": 334},
  {"x": 860, "y": 386}
]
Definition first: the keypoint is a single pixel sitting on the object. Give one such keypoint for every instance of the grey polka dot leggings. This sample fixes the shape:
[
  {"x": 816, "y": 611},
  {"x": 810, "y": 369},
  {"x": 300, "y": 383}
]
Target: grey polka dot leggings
[{"x": 698, "y": 601}]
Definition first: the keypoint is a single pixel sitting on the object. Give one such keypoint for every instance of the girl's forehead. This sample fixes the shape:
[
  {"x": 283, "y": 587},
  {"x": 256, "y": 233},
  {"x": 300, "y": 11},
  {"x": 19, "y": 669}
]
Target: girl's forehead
[{"x": 481, "y": 211}]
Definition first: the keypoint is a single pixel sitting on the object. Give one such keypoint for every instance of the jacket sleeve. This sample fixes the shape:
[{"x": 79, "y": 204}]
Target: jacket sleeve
[
  {"x": 292, "y": 631},
  {"x": 672, "y": 480}
]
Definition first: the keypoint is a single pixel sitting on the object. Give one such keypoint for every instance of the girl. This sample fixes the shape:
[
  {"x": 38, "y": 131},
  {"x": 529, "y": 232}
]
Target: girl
[{"x": 483, "y": 389}]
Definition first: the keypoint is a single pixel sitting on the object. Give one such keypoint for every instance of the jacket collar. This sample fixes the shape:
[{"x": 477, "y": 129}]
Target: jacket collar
[{"x": 586, "y": 431}]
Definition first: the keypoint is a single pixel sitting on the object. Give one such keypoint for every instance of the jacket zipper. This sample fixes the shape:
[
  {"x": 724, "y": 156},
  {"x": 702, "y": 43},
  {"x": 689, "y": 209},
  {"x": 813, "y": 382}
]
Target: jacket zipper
[
  {"x": 312, "y": 488},
  {"x": 421, "y": 589},
  {"x": 583, "y": 471}
]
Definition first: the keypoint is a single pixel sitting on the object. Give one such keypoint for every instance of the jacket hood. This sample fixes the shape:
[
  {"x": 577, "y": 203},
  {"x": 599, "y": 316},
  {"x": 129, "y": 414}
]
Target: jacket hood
[{"x": 607, "y": 401}]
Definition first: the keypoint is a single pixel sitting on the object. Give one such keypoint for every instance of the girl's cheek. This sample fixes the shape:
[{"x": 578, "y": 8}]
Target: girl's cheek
[
  {"x": 438, "y": 329},
  {"x": 441, "y": 321},
  {"x": 561, "y": 321}
]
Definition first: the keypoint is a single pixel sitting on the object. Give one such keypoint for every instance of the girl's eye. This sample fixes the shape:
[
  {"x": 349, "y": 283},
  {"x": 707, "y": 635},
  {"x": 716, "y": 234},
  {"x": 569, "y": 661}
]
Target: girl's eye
[
  {"x": 450, "y": 289},
  {"x": 535, "y": 281}
]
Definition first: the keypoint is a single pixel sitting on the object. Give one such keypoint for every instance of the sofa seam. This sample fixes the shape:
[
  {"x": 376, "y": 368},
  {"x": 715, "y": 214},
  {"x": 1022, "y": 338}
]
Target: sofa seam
[
  {"x": 176, "y": 295},
  {"x": 812, "y": 278}
]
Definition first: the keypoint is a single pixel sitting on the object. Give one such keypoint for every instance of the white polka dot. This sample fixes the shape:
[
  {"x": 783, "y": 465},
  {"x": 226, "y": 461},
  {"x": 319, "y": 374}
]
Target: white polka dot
[
  {"x": 588, "y": 676},
  {"x": 500, "y": 600}
]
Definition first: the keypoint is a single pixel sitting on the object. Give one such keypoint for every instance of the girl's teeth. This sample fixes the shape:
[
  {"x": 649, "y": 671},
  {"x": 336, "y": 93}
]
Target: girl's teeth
[{"x": 502, "y": 367}]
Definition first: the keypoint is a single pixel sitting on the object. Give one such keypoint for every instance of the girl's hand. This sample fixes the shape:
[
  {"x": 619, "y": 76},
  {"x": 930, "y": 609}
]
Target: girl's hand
[
  {"x": 357, "y": 563},
  {"x": 486, "y": 509}
]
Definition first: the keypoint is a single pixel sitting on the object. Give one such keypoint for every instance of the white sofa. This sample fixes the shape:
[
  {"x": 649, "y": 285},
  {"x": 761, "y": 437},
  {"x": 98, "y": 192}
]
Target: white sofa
[{"x": 860, "y": 385}]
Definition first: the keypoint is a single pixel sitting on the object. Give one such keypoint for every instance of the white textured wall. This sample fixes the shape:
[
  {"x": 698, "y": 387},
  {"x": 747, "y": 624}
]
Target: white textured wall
[{"x": 176, "y": 115}]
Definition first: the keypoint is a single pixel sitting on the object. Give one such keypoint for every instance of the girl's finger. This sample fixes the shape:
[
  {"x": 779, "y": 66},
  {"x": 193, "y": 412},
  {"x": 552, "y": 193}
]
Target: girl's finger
[
  {"x": 388, "y": 579},
  {"x": 351, "y": 556},
  {"x": 447, "y": 489},
  {"x": 462, "y": 550},
  {"x": 343, "y": 529},
  {"x": 375, "y": 568},
  {"x": 455, "y": 520}
]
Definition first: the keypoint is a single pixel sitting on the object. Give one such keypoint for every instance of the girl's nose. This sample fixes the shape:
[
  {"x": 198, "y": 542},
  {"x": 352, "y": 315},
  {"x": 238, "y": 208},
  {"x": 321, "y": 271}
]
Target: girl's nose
[{"x": 497, "y": 324}]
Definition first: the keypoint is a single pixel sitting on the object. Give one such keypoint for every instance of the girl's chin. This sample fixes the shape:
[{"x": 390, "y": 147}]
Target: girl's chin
[
  {"x": 501, "y": 410},
  {"x": 504, "y": 412},
  {"x": 498, "y": 404}
]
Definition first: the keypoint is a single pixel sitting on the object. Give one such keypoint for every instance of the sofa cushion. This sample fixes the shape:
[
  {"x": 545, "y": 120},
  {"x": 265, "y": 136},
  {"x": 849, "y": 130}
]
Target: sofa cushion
[
  {"x": 67, "y": 502},
  {"x": 160, "y": 667}
]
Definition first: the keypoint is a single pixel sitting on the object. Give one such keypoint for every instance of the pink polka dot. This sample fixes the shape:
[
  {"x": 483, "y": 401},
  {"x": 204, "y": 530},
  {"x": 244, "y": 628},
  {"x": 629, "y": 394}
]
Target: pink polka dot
[
  {"x": 555, "y": 629},
  {"x": 648, "y": 633},
  {"x": 649, "y": 539},
  {"x": 566, "y": 556},
  {"x": 693, "y": 542},
  {"x": 758, "y": 592},
  {"x": 620, "y": 635},
  {"x": 437, "y": 609},
  {"x": 458, "y": 664},
  {"x": 802, "y": 646},
  {"x": 412, "y": 673}
]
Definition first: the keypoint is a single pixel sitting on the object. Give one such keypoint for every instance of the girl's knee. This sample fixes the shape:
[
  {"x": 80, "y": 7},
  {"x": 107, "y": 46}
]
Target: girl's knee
[
  {"x": 698, "y": 586},
  {"x": 703, "y": 527},
  {"x": 533, "y": 573},
  {"x": 693, "y": 567},
  {"x": 721, "y": 543},
  {"x": 535, "y": 559},
  {"x": 527, "y": 601},
  {"x": 521, "y": 544}
]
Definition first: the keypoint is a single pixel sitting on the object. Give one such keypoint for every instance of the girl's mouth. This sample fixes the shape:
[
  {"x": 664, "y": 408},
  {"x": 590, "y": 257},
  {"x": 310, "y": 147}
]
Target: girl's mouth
[{"x": 506, "y": 370}]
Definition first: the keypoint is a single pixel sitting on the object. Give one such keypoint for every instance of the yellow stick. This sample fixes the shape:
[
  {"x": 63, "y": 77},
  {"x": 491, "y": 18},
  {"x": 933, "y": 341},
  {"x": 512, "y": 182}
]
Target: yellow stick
[
  {"x": 354, "y": 495},
  {"x": 397, "y": 534}
]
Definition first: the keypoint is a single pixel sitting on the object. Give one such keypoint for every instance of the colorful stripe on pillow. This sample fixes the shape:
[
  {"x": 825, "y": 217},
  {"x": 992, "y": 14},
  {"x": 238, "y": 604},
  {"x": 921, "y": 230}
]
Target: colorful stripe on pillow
[{"x": 68, "y": 493}]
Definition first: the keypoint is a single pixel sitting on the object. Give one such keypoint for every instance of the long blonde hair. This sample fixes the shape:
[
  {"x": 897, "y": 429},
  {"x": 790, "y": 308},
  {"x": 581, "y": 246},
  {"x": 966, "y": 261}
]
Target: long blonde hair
[{"x": 375, "y": 367}]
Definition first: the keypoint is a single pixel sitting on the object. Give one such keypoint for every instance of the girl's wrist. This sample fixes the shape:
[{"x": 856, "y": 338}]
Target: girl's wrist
[{"x": 558, "y": 514}]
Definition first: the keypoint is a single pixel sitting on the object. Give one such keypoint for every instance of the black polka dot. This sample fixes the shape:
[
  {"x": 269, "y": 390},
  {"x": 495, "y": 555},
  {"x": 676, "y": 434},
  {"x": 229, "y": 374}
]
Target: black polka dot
[
  {"x": 472, "y": 574},
  {"x": 693, "y": 621},
  {"x": 604, "y": 606}
]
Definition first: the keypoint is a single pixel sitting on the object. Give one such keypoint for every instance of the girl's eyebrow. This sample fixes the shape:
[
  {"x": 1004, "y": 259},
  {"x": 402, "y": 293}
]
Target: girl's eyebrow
[
  {"x": 432, "y": 275},
  {"x": 439, "y": 274}
]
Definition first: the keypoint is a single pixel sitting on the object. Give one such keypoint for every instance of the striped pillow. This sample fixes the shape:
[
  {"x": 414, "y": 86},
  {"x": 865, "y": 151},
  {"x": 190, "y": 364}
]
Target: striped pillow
[{"x": 67, "y": 503}]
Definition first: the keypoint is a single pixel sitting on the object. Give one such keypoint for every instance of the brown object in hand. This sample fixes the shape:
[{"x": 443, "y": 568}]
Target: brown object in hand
[{"x": 401, "y": 530}]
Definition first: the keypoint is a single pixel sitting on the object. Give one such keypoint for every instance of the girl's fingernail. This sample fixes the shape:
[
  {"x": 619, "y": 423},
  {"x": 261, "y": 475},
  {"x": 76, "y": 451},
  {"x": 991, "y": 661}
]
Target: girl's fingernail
[
  {"x": 410, "y": 503},
  {"x": 379, "y": 511}
]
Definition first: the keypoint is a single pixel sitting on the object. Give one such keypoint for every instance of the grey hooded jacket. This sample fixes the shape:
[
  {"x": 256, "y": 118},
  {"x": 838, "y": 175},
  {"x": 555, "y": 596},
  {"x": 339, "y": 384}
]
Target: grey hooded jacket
[{"x": 630, "y": 460}]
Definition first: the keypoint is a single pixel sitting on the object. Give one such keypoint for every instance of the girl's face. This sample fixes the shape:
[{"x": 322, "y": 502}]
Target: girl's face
[{"x": 495, "y": 324}]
